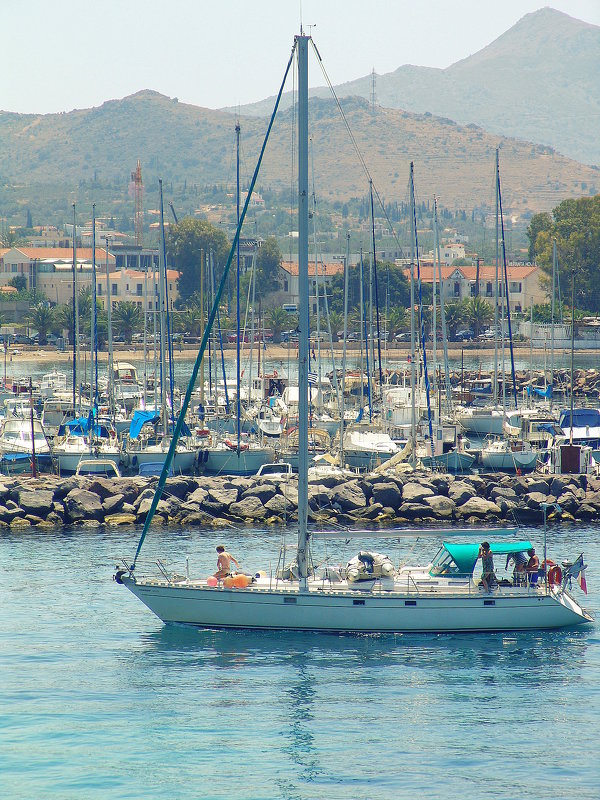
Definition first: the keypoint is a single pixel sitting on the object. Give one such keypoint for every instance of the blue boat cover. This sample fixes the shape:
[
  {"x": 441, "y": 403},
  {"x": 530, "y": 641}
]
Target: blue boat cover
[
  {"x": 140, "y": 418},
  {"x": 582, "y": 418},
  {"x": 81, "y": 427}
]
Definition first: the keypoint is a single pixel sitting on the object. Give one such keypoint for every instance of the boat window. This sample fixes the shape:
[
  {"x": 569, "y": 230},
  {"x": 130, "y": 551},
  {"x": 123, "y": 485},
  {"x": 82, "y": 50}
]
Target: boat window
[{"x": 444, "y": 564}]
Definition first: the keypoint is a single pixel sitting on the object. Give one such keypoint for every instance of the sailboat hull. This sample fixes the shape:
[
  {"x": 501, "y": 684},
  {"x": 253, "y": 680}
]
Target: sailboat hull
[
  {"x": 225, "y": 461},
  {"x": 354, "y": 612}
]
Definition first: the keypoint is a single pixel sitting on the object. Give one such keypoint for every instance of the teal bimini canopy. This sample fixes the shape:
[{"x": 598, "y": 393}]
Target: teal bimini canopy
[
  {"x": 464, "y": 556},
  {"x": 140, "y": 418}
]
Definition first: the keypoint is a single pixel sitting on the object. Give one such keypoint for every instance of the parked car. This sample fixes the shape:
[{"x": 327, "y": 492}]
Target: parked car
[
  {"x": 21, "y": 338},
  {"x": 402, "y": 337},
  {"x": 465, "y": 335}
]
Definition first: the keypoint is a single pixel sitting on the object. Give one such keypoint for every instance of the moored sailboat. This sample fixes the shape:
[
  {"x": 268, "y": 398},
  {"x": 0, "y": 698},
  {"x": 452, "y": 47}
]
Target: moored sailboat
[{"x": 303, "y": 600}]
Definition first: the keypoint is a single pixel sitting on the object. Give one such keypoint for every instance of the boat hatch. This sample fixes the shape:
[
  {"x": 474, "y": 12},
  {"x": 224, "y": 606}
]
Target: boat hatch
[{"x": 458, "y": 560}]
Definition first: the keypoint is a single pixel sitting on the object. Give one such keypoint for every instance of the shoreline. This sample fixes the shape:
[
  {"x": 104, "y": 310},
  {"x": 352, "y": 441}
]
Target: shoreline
[{"x": 273, "y": 351}]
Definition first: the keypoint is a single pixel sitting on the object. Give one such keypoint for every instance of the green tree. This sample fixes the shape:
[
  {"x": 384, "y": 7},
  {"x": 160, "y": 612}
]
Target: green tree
[
  {"x": 539, "y": 222},
  {"x": 393, "y": 288},
  {"x": 455, "y": 313},
  {"x": 478, "y": 314},
  {"x": 278, "y": 320},
  {"x": 398, "y": 320},
  {"x": 19, "y": 282},
  {"x": 127, "y": 317},
  {"x": 186, "y": 241},
  {"x": 63, "y": 315},
  {"x": 41, "y": 317},
  {"x": 268, "y": 260},
  {"x": 576, "y": 229}
]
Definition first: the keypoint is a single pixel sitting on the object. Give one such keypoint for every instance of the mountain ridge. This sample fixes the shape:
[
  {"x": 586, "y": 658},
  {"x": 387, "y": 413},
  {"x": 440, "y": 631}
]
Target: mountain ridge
[{"x": 536, "y": 81}]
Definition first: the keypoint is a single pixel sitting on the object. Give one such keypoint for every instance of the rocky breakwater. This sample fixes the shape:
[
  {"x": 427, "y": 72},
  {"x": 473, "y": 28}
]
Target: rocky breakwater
[{"x": 412, "y": 499}]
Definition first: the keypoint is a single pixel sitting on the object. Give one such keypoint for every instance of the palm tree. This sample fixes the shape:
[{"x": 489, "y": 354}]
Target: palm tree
[
  {"x": 126, "y": 318},
  {"x": 277, "y": 319},
  {"x": 455, "y": 316},
  {"x": 478, "y": 314},
  {"x": 41, "y": 317},
  {"x": 397, "y": 321}
]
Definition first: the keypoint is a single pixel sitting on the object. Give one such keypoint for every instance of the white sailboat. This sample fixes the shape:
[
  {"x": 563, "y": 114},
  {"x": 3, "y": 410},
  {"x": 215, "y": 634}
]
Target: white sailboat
[{"x": 450, "y": 601}]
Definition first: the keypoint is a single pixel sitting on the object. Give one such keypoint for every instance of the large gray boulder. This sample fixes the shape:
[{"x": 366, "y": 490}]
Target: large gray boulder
[
  {"x": 413, "y": 492},
  {"x": 460, "y": 492},
  {"x": 442, "y": 507},
  {"x": 113, "y": 503},
  {"x": 279, "y": 506},
  {"x": 478, "y": 507},
  {"x": 249, "y": 508},
  {"x": 349, "y": 496},
  {"x": 221, "y": 498},
  {"x": 506, "y": 492},
  {"x": 81, "y": 504},
  {"x": 263, "y": 490},
  {"x": 415, "y": 510},
  {"x": 163, "y": 508},
  {"x": 319, "y": 496},
  {"x": 387, "y": 494},
  {"x": 38, "y": 503}
]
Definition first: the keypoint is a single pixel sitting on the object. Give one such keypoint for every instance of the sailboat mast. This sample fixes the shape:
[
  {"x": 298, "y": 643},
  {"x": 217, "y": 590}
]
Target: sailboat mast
[
  {"x": 303, "y": 307},
  {"x": 161, "y": 294},
  {"x": 496, "y": 286},
  {"x": 111, "y": 376},
  {"x": 94, "y": 326},
  {"x": 413, "y": 373},
  {"x": 554, "y": 264},
  {"x": 238, "y": 374},
  {"x": 75, "y": 317},
  {"x": 344, "y": 350}
]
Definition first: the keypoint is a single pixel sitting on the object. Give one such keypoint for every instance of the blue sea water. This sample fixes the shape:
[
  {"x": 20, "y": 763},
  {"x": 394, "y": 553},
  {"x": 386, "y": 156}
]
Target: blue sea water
[{"x": 99, "y": 700}]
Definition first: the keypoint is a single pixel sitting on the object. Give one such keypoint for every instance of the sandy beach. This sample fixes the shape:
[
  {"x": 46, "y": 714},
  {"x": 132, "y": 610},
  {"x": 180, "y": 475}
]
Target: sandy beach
[{"x": 274, "y": 351}]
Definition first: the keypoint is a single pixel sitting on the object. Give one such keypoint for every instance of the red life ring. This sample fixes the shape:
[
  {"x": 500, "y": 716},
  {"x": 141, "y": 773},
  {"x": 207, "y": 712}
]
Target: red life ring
[{"x": 555, "y": 575}]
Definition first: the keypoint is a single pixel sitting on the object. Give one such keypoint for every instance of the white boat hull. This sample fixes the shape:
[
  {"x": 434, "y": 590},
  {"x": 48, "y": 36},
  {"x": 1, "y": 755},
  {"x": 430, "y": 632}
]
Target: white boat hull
[
  {"x": 354, "y": 611},
  {"x": 509, "y": 461},
  {"x": 224, "y": 461},
  {"x": 482, "y": 424},
  {"x": 183, "y": 460},
  {"x": 68, "y": 462}
]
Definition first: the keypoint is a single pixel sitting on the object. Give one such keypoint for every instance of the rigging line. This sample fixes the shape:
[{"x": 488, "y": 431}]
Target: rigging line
[
  {"x": 354, "y": 142},
  {"x": 376, "y": 293},
  {"x": 188, "y": 393}
]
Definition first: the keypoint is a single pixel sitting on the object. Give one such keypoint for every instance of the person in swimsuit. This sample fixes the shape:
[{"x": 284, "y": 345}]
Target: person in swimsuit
[
  {"x": 224, "y": 560},
  {"x": 533, "y": 566},
  {"x": 488, "y": 577}
]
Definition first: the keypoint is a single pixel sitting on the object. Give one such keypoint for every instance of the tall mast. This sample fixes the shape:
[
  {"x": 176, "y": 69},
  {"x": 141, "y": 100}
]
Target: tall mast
[
  {"x": 94, "y": 324},
  {"x": 413, "y": 372},
  {"x": 111, "y": 376},
  {"x": 344, "y": 351},
  {"x": 161, "y": 293},
  {"x": 442, "y": 310},
  {"x": 303, "y": 307},
  {"x": 496, "y": 286},
  {"x": 75, "y": 314},
  {"x": 238, "y": 374},
  {"x": 554, "y": 265}
]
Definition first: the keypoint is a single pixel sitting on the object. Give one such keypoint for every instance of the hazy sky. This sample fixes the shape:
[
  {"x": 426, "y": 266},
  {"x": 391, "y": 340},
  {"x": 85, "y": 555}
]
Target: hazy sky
[{"x": 63, "y": 54}]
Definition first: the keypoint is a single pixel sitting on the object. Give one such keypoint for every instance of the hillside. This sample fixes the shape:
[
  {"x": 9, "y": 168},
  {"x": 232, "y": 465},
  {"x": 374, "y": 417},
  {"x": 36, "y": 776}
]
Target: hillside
[
  {"x": 538, "y": 81},
  {"x": 91, "y": 153}
]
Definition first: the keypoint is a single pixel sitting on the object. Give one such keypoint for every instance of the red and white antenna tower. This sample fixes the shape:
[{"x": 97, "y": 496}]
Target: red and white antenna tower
[{"x": 138, "y": 188}]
